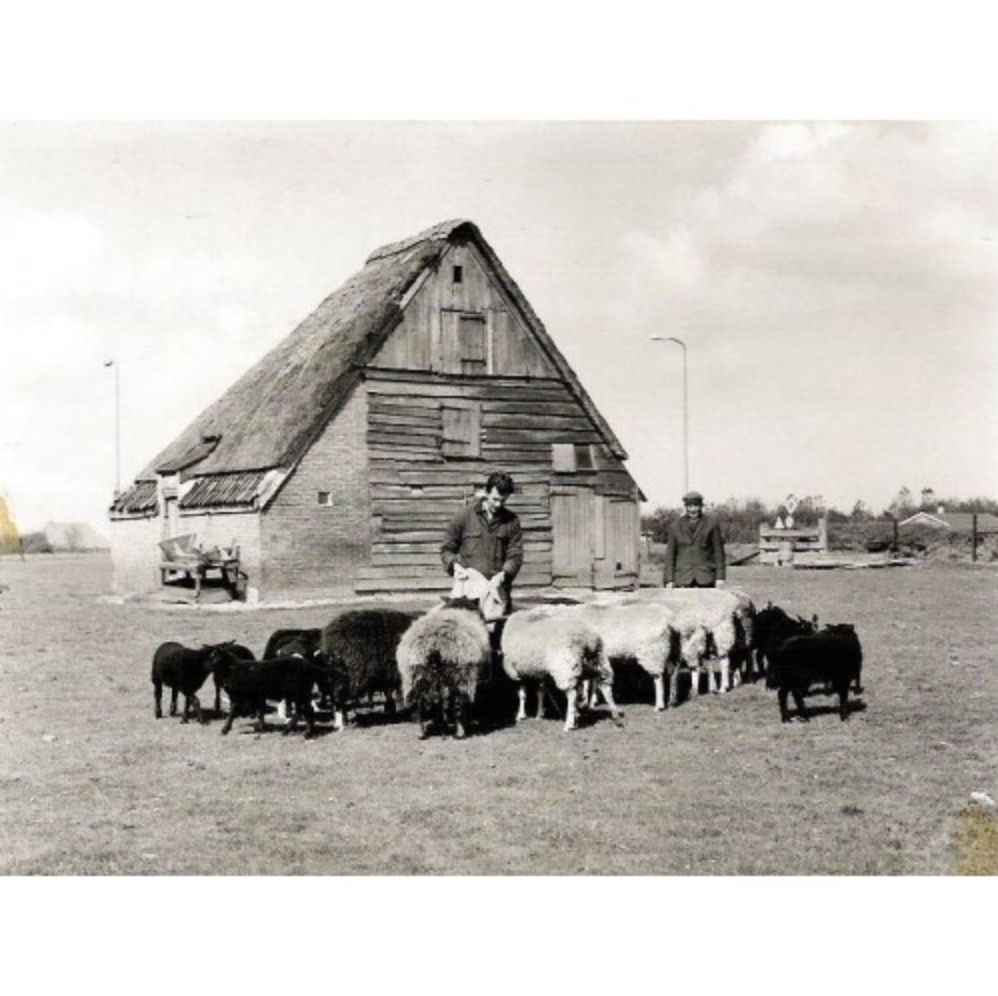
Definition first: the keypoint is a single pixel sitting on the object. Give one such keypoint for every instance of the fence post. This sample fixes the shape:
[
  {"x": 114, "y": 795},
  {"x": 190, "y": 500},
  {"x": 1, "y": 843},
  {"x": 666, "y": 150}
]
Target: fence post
[{"x": 973, "y": 538}]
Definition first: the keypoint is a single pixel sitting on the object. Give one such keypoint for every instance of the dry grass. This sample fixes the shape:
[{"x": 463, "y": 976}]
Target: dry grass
[{"x": 92, "y": 784}]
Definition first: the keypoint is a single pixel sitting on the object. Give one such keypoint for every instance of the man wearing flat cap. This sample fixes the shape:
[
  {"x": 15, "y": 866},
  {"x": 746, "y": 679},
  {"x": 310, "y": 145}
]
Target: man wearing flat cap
[{"x": 694, "y": 555}]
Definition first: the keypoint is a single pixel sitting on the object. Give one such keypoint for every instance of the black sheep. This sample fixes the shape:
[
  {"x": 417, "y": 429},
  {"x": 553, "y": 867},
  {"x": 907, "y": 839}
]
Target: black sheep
[
  {"x": 772, "y": 626},
  {"x": 281, "y": 638},
  {"x": 249, "y": 684},
  {"x": 304, "y": 643},
  {"x": 832, "y": 656},
  {"x": 358, "y": 648},
  {"x": 238, "y": 650},
  {"x": 183, "y": 670}
]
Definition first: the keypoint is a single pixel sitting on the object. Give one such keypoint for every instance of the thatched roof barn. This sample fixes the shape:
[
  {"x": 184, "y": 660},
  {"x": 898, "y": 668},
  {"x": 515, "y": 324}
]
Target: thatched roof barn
[{"x": 334, "y": 462}]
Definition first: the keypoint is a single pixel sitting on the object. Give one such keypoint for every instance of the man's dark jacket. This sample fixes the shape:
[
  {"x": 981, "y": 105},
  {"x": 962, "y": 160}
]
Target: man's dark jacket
[
  {"x": 695, "y": 553},
  {"x": 489, "y": 547}
]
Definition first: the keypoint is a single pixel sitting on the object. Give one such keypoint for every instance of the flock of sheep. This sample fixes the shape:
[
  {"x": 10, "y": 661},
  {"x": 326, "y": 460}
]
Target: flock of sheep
[{"x": 433, "y": 665}]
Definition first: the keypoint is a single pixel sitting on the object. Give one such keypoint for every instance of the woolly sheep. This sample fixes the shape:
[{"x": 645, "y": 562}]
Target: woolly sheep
[
  {"x": 636, "y": 629},
  {"x": 556, "y": 643},
  {"x": 441, "y": 658},
  {"x": 715, "y": 624},
  {"x": 359, "y": 648}
]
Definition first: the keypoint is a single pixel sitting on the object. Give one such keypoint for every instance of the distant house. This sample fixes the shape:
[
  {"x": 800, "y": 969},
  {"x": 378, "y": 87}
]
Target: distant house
[
  {"x": 335, "y": 462},
  {"x": 74, "y": 537},
  {"x": 957, "y": 522}
]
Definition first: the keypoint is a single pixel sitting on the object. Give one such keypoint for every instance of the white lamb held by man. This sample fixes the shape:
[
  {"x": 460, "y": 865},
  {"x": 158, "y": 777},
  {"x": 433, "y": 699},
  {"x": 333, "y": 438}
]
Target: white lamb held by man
[
  {"x": 551, "y": 643},
  {"x": 642, "y": 631}
]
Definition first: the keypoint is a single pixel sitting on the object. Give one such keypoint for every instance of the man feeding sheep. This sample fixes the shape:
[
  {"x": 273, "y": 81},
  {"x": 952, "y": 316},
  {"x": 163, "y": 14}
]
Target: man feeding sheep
[
  {"x": 485, "y": 536},
  {"x": 694, "y": 556}
]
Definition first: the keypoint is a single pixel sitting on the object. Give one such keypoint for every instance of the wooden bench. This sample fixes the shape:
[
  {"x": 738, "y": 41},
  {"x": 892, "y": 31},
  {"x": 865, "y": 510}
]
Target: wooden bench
[{"x": 182, "y": 558}]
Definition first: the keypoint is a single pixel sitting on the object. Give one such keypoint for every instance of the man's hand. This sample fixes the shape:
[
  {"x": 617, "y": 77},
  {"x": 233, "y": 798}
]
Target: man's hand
[{"x": 460, "y": 573}]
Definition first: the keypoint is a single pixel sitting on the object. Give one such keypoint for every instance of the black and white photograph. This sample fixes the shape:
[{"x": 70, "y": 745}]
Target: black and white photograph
[{"x": 506, "y": 504}]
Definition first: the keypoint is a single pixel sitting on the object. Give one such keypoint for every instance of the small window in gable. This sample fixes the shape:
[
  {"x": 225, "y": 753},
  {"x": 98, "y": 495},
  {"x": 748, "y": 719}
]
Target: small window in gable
[
  {"x": 458, "y": 274},
  {"x": 570, "y": 458},
  {"x": 325, "y": 498},
  {"x": 584, "y": 457},
  {"x": 462, "y": 429},
  {"x": 471, "y": 342}
]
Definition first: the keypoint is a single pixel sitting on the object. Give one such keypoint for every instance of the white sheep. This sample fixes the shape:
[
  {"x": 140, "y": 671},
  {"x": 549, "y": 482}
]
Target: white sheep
[
  {"x": 441, "y": 658},
  {"x": 556, "y": 643},
  {"x": 714, "y": 624},
  {"x": 639, "y": 630}
]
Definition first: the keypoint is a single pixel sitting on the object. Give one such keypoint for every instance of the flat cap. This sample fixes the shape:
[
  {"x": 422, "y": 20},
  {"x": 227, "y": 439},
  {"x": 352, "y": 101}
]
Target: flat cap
[{"x": 692, "y": 498}]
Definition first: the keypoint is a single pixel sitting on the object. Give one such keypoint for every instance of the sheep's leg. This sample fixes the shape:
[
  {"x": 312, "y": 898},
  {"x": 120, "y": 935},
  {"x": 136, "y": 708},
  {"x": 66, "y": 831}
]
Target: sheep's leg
[
  {"x": 694, "y": 670},
  {"x": 606, "y": 689},
  {"x": 798, "y": 696},
  {"x": 572, "y": 712},
  {"x": 173, "y": 701},
  {"x": 844, "y": 702},
  {"x": 198, "y": 713},
  {"x": 218, "y": 698},
  {"x": 659, "y": 681},
  {"x": 229, "y": 719},
  {"x": 672, "y": 676},
  {"x": 721, "y": 674},
  {"x": 422, "y": 718},
  {"x": 157, "y": 695},
  {"x": 460, "y": 706},
  {"x": 784, "y": 711},
  {"x": 338, "y": 719},
  {"x": 521, "y": 696}
]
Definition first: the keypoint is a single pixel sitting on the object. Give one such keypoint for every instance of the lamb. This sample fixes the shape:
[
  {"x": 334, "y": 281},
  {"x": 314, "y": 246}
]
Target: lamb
[
  {"x": 359, "y": 648},
  {"x": 304, "y": 643},
  {"x": 249, "y": 685},
  {"x": 635, "y": 629},
  {"x": 556, "y": 643},
  {"x": 441, "y": 658},
  {"x": 183, "y": 670},
  {"x": 832, "y": 656},
  {"x": 773, "y": 625}
]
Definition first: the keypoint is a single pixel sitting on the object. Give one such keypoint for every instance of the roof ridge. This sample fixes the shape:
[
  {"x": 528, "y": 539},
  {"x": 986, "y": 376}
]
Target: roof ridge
[{"x": 438, "y": 232}]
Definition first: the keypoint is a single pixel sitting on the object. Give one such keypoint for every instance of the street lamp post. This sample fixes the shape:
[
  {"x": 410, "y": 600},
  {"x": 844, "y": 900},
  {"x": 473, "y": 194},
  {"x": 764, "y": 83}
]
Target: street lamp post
[
  {"x": 686, "y": 410},
  {"x": 117, "y": 427}
]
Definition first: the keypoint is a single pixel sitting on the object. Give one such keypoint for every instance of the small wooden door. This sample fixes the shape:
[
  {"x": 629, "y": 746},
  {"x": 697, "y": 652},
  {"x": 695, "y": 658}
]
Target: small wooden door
[{"x": 594, "y": 540}]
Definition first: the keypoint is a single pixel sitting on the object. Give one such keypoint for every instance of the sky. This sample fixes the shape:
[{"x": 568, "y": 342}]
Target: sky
[
  {"x": 828, "y": 255},
  {"x": 835, "y": 285}
]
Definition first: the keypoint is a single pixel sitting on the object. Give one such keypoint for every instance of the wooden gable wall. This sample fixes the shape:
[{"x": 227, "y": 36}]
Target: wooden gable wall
[{"x": 439, "y": 421}]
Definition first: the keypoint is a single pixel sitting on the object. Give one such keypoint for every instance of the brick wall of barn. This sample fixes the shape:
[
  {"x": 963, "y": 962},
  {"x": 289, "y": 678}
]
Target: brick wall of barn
[
  {"x": 316, "y": 533},
  {"x": 135, "y": 554}
]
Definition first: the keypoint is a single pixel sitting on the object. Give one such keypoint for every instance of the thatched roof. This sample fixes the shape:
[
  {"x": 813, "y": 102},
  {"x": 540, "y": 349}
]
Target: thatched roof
[{"x": 274, "y": 412}]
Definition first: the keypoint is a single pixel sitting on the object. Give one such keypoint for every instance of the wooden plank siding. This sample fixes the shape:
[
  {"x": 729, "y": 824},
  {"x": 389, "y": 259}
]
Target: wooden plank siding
[
  {"x": 415, "y": 488},
  {"x": 462, "y": 387}
]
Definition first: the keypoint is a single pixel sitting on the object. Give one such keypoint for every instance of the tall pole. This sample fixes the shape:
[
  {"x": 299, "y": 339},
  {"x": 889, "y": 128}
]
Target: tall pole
[
  {"x": 117, "y": 427},
  {"x": 686, "y": 410}
]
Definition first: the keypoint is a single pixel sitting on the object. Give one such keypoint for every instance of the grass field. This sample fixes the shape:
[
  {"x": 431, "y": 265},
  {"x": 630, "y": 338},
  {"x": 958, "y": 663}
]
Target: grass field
[{"x": 92, "y": 785}]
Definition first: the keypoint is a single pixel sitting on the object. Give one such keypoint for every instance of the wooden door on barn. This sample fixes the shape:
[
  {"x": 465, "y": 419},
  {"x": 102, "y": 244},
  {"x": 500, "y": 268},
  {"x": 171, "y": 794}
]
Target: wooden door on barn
[{"x": 594, "y": 540}]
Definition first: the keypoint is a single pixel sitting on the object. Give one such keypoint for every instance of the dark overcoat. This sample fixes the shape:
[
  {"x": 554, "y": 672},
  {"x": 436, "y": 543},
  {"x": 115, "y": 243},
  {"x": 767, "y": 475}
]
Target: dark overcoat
[{"x": 694, "y": 555}]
